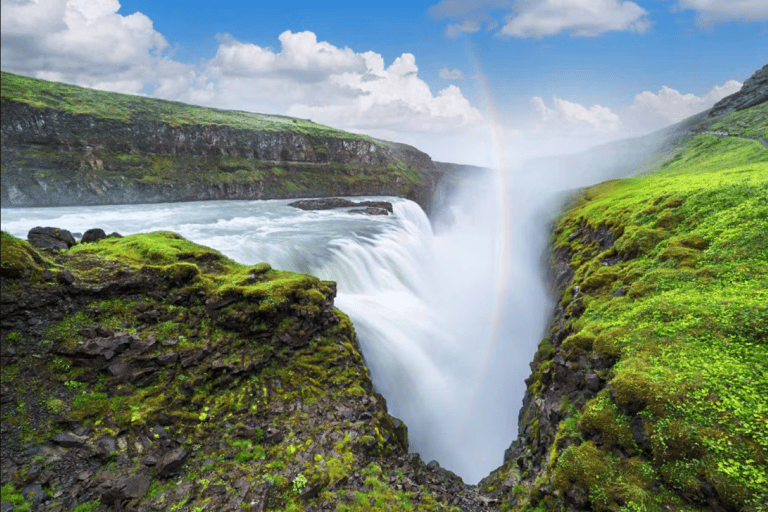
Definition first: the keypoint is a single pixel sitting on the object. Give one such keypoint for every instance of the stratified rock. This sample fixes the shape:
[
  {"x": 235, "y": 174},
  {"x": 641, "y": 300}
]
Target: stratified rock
[
  {"x": 93, "y": 235},
  {"x": 753, "y": 92},
  {"x": 54, "y": 239}
]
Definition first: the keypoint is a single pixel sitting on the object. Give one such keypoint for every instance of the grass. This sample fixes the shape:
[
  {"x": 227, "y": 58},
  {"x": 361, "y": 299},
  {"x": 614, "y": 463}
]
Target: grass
[
  {"x": 124, "y": 107},
  {"x": 689, "y": 335},
  {"x": 752, "y": 122}
]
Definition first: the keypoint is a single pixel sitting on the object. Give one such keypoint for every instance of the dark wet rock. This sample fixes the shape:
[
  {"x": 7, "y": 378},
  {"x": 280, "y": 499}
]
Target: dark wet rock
[
  {"x": 370, "y": 211},
  {"x": 113, "y": 492},
  {"x": 592, "y": 382},
  {"x": 65, "y": 277},
  {"x": 325, "y": 203},
  {"x": 329, "y": 203},
  {"x": 171, "y": 462},
  {"x": 54, "y": 239},
  {"x": 93, "y": 235},
  {"x": 69, "y": 440},
  {"x": 638, "y": 433}
]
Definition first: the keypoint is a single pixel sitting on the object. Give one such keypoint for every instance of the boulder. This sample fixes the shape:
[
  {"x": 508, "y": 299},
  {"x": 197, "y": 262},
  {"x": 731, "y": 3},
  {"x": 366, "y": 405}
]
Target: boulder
[
  {"x": 53, "y": 239},
  {"x": 171, "y": 462},
  {"x": 93, "y": 235}
]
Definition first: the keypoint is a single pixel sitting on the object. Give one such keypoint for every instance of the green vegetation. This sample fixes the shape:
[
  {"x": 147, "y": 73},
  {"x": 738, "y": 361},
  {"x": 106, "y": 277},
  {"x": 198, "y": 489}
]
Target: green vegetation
[
  {"x": 752, "y": 122},
  {"x": 124, "y": 107},
  {"x": 688, "y": 335},
  {"x": 246, "y": 368}
]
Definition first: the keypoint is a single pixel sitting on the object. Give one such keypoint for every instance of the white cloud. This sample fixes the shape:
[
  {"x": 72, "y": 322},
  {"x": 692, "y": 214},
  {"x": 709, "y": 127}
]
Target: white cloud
[
  {"x": 711, "y": 12},
  {"x": 314, "y": 79},
  {"x": 86, "y": 42},
  {"x": 650, "y": 111},
  {"x": 540, "y": 18},
  {"x": 565, "y": 113},
  {"x": 301, "y": 56},
  {"x": 451, "y": 74}
]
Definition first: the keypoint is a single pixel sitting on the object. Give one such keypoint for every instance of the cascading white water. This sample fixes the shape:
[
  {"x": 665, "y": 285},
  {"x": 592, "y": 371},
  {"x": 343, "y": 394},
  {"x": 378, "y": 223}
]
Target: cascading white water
[{"x": 424, "y": 305}]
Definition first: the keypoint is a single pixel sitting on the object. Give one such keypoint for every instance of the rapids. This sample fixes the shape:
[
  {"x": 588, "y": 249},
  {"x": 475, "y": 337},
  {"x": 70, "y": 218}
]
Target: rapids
[{"x": 447, "y": 318}]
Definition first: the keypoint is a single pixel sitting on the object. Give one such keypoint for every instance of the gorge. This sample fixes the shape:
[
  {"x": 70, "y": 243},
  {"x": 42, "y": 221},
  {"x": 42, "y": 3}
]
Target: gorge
[{"x": 399, "y": 281}]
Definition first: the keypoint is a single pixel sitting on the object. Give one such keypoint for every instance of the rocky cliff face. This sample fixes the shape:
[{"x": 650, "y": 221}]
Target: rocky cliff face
[
  {"x": 55, "y": 158},
  {"x": 150, "y": 373},
  {"x": 753, "y": 92}
]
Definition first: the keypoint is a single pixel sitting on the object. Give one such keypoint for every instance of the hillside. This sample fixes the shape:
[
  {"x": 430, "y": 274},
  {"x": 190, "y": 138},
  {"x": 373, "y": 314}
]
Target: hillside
[
  {"x": 69, "y": 145},
  {"x": 648, "y": 393}
]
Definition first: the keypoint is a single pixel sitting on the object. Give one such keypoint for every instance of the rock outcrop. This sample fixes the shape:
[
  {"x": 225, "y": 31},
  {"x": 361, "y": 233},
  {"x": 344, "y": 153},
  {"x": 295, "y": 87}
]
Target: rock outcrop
[
  {"x": 187, "y": 381},
  {"x": 753, "y": 92},
  {"x": 58, "y": 157}
]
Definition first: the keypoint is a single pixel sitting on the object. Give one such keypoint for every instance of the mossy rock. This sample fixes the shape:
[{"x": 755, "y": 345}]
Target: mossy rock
[{"x": 18, "y": 258}]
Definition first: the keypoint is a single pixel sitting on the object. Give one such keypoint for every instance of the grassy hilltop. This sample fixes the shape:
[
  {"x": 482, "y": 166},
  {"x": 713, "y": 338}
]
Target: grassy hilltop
[
  {"x": 69, "y": 145},
  {"x": 75, "y": 100},
  {"x": 649, "y": 394}
]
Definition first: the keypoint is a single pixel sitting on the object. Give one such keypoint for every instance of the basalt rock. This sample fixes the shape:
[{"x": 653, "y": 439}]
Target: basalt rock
[
  {"x": 57, "y": 158},
  {"x": 53, "y": 239},
  {"x": 273, "y": 386},
  {"x": 753, "y": 92}
]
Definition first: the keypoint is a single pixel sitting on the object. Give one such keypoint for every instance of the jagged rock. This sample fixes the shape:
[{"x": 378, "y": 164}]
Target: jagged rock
[
  {"x": 93, "y": 235},
  {"x": 115, "y": 491},
  {"x": 69, "y": 440},
  {"x": 53, "y": 239},
  {"x": 753, "y": 92},
  {"x": 171, "y": 462}
]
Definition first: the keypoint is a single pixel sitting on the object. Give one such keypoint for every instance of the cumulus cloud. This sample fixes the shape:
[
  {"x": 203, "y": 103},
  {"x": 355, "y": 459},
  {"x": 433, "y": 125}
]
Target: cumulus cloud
[
  {"x": 86, "y": 42},
  {"x": 540, "y": 18},
  {"x": 565, "y": 113},
  {"x": 451, "y": 74},
  {"x": 589, "y": 18},
  {"x": 650, "y": 111},
  {"x": 340, "y": 87},
  {"x": 711, "y": 12}
]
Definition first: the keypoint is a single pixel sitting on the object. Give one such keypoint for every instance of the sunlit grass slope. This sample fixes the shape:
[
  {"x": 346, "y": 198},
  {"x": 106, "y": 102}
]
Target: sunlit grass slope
[
  {"x": 124, "y": 107},
  {"x": 687, "y": 330}
]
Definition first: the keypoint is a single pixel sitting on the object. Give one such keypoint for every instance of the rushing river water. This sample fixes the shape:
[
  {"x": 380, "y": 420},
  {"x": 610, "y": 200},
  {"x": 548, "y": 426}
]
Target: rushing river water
[{"x": 448, "y": 319}]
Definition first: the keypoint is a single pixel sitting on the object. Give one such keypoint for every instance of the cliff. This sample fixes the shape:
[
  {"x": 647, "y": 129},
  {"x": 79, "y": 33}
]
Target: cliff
[
  {"x": 66, "y": 145},
  {"x": 150, "y": 373},
  {"x": 647, "y": 393}
]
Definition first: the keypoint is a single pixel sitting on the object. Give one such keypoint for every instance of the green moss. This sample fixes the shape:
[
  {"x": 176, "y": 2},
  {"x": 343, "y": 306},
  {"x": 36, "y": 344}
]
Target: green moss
[
  {"x": 123, "y": 107},
  {"x": 18, "y": 258},
  {"x": 686, "y": 340}
]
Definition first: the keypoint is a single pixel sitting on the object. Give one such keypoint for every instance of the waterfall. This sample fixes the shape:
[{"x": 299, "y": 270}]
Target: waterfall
[{"x": 423, "y": 303}]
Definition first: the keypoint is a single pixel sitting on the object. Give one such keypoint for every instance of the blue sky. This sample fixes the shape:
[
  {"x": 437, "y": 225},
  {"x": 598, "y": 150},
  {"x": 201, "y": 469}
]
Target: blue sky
[{"x": 441, "y": 75}]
